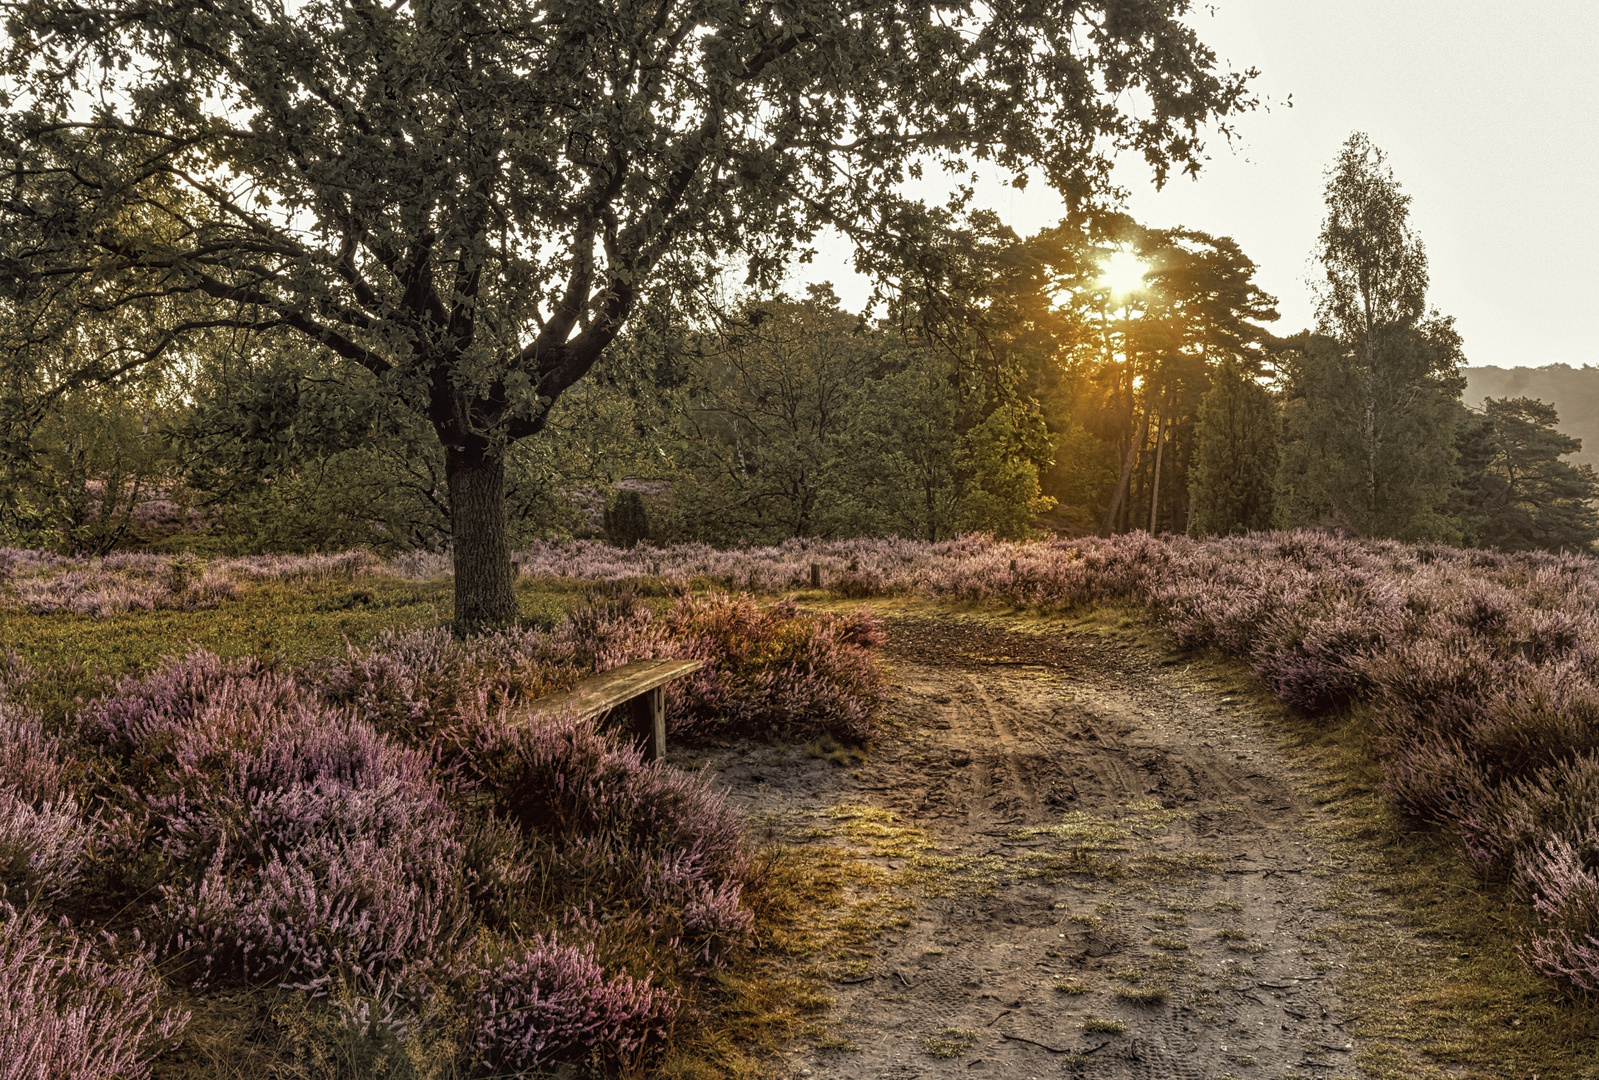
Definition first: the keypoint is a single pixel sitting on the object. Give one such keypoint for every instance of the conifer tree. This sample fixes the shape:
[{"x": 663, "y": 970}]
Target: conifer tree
[
  {"x": 1236, "y": 456},
  {"x": 1515, "y": 492}
]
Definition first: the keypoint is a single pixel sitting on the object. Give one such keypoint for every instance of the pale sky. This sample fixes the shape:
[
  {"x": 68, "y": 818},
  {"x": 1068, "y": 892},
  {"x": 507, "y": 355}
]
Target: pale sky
[{"x": 1489, "y": 113}]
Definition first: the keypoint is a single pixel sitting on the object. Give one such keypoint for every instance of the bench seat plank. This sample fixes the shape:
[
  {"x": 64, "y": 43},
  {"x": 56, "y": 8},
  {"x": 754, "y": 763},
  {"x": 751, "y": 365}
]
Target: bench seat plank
[{"x": 609, "y": 689}]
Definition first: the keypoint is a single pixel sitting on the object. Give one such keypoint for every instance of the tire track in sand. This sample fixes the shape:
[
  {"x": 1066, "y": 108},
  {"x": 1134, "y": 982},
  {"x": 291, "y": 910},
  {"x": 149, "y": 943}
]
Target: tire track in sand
[{"x": 1201, "y": 935}]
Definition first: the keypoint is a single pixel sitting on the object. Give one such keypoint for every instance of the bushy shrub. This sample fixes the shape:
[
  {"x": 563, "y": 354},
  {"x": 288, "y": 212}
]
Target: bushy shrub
[
  {"x": 414, "y": 684},
  {"x": 1565, "y": 894},
  {"x": 769, "y": 672},
  {"x": 43, "y": 836},
  {"x": 41, "y": 847},
  {"x": 288, "y": 842},
  {"x": 554, "y": 1004},
  {"x": 72, "y": 1011},
  {"x": 774, "y": 671}
]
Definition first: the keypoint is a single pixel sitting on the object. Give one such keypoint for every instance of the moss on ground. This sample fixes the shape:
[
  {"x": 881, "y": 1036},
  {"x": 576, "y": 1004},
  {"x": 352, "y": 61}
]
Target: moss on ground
[{"x": 291, "y": 623}]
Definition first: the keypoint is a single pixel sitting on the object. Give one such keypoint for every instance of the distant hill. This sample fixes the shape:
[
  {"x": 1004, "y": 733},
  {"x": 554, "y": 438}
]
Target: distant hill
[{"x": 1574, "y": 392}]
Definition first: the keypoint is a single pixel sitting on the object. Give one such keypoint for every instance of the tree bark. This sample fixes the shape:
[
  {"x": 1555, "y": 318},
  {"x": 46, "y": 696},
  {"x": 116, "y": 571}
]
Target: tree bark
[
  {"x": 485, "y": 594},
  {"x": 1119, "y": 502},
  {"x": 1154, "y": 485}
]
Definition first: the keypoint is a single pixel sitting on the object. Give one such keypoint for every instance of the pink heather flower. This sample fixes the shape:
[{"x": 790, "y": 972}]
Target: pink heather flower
[
  {"x": 73, "y": 1009},
  {"x": 554, "y": 1004}
]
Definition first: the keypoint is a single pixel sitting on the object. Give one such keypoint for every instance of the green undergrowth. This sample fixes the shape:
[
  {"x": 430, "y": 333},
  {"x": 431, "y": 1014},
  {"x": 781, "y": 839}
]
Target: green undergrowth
[{"x": 287, "y": 622}]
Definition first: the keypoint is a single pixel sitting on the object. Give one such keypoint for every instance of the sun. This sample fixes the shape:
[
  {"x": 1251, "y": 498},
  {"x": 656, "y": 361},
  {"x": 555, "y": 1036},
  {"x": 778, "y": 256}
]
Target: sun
[{"x": 1123, "y": 273}]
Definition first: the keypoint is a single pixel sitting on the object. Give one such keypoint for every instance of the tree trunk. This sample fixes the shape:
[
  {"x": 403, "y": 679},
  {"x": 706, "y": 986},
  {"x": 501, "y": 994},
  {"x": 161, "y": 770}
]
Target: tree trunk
[
  {"x": 1114, "y": 514},
  {"x": 485, "y": 595},
  {"x": 1154, "y": 486}
]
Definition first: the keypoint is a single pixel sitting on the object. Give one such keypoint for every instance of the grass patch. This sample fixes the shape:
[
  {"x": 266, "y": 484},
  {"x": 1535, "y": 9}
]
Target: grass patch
[
  {"x": 288, "y": 622},
  {"x": 950, "y": 1043},
  {"x": 1109, "y": 1027},
  {"x": 1070, "y": 986},
  {"x": 832, "y": 750},
  {"x": 1082, "y": 831},
  {"x": 1142, "y": 995},
  {"x": 821, "y": 903}
]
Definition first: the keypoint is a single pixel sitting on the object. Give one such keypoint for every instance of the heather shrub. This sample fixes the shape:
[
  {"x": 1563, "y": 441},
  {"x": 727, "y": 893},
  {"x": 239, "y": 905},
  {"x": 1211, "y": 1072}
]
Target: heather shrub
[
  {"x": 858, "y": 584},
  {"x": 41, "y": 584},
  {"x": 43, "y": 836},
  {"x": 618, "y": 837},
  {"x": 774, "y": 672},
  {"x": 1512, "y": 823},
  {"x": 287, "y": 842},
  {"x": 414, "y": 684},
  {"x": 1565, "y": 893},
  {"x": 41, "y": 847},
  {"x": 549, "y": 1003},
  {"x": 71, "y": 1009}
]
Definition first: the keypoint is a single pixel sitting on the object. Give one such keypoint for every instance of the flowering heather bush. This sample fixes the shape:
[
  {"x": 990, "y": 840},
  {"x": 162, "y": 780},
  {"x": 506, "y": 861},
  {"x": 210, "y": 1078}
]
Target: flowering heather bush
[
  {"x": 356, "y": 826},
  {"x": 43, "y": 584},
  {"x": 71, "y": 1011},
  {"x": 893, "y": 563},
  {"x": 288, "y": 842},
  {"x": 15, "y": 562},
  {"x": 42, "y": 833},
  {"x": 41, "y": 847},
  {"x": 662, "y": 833},
  {"x": 554, "y": 1004},
  {"x": 774, "y": 671},
  {"x": 416, "y": 684}
]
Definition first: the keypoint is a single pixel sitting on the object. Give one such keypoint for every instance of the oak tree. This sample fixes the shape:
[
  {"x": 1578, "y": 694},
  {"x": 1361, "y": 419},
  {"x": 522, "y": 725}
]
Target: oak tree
[{"x": 466, "y": 199}]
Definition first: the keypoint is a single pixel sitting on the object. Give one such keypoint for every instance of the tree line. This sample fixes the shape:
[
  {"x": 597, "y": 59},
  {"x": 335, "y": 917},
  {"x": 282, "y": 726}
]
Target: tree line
[{"x": 1010, "y": 386}]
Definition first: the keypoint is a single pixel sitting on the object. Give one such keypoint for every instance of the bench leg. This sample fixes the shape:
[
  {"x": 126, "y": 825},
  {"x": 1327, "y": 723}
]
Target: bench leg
[{"x": 648, "y": 714}]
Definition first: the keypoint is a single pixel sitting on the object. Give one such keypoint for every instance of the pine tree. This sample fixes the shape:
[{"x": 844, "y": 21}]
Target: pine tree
[
  {"x": 626, "y": 520},
  {"x": 1236, "y": 456},
  {"x": 1518, "y": 494}
]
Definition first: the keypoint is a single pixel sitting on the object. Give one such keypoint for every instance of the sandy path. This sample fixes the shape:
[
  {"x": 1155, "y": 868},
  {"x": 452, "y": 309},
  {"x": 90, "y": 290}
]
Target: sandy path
[{"x": 1214, "y": 914}]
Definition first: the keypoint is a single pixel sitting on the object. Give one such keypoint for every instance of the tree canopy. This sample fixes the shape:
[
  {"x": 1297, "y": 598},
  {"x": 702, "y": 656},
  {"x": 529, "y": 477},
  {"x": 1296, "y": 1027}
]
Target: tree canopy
[
  {"x": 466, "y": 200},
  {"x": 1517, "y": 493},
  {"x": 1372, "y": 395}
]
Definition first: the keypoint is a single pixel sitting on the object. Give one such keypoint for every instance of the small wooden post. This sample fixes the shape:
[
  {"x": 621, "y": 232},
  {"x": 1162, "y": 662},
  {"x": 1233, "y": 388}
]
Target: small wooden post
[
  {"x": 648, "y": 714},
  {"x": 816, "y": 575}
]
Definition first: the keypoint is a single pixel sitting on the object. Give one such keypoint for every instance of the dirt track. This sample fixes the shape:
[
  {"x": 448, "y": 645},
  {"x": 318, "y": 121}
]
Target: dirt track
[{"x": 1197, "y": 925}]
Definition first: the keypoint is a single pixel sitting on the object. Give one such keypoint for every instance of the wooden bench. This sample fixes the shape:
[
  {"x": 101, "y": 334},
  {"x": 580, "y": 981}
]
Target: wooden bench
[{"x": 640, "y": 685}]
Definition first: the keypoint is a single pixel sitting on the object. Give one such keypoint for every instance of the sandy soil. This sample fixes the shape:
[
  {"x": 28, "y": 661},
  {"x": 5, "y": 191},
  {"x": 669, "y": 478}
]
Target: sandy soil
[{"x": 1174, "y": 894}]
